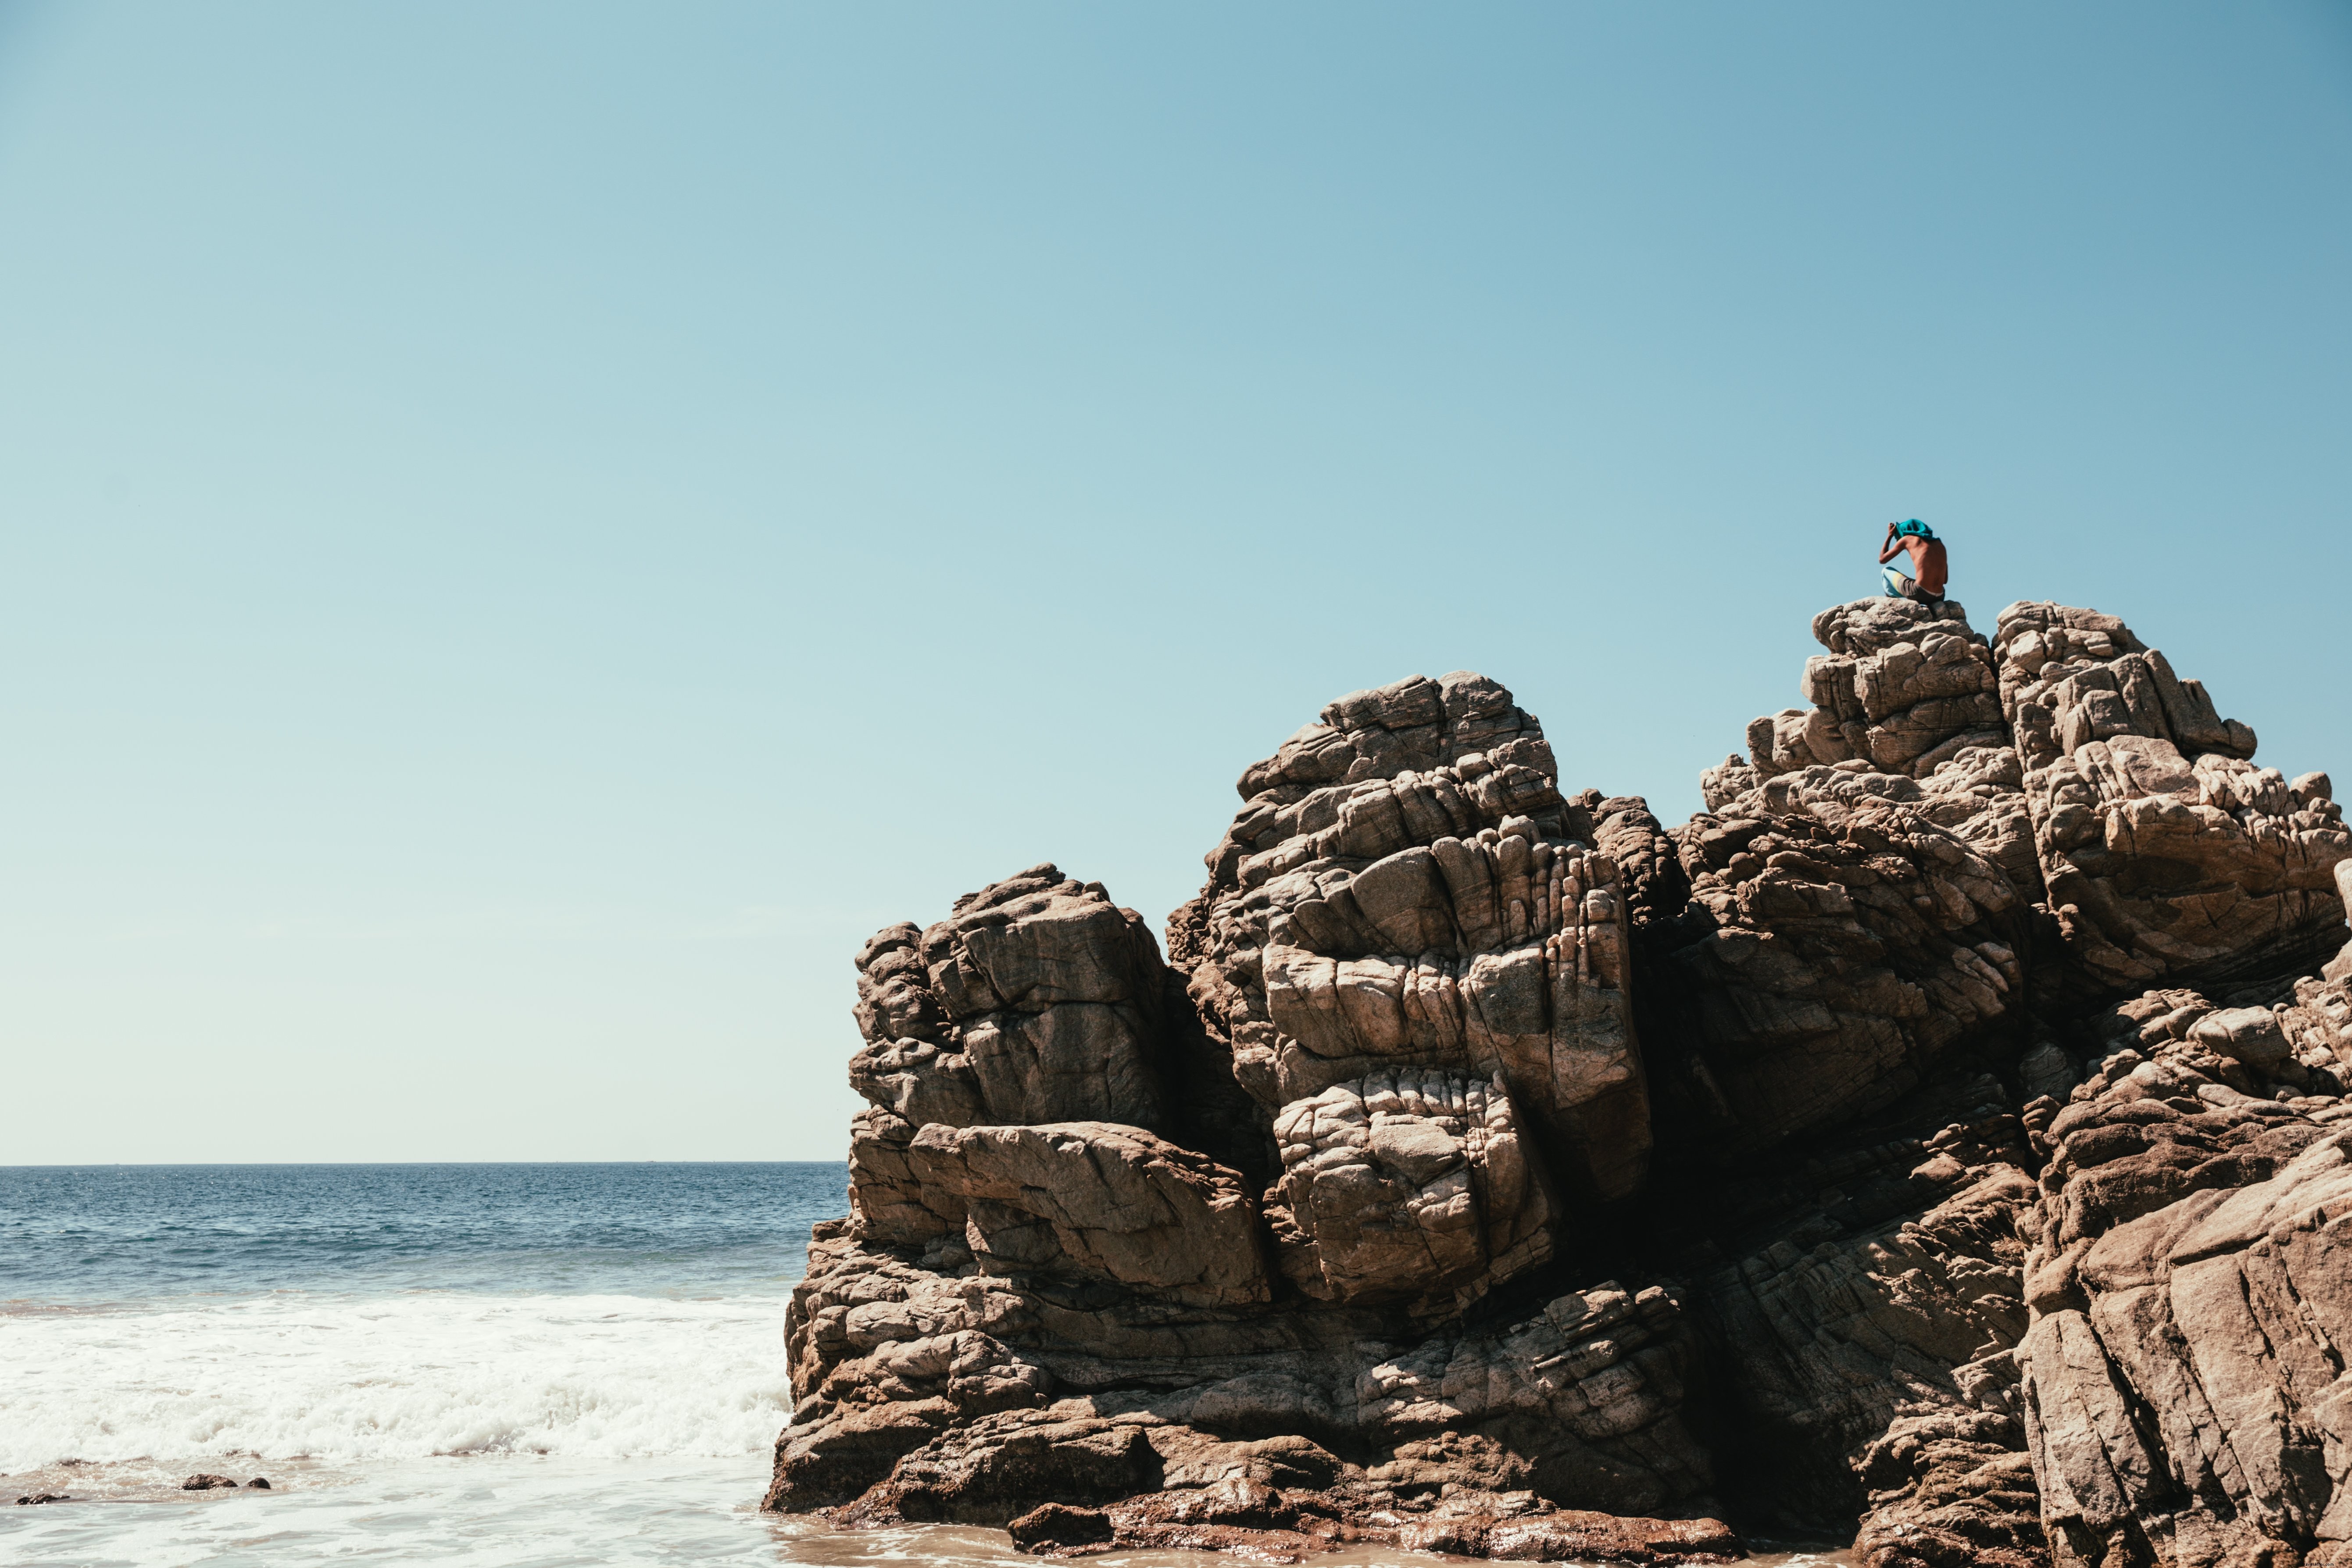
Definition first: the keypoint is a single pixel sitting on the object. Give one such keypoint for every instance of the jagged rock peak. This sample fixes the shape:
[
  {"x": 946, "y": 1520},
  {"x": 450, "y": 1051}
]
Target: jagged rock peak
[
  {"x": 1903, "y": 689},
  {"x": 1416, "y": 723},
  {"x": 2165, "y": 853},
  {"x": 1407, "y": 888},
  {"x": 2108, "y": 789},
  {"x": 1110, "y": 1228}
]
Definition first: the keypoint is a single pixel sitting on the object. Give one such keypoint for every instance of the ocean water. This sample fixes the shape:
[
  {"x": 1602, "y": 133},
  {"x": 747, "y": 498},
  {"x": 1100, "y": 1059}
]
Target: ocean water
[
  {"x": 430, "y": 1364},
  {"x": 541, "y": 1365}
]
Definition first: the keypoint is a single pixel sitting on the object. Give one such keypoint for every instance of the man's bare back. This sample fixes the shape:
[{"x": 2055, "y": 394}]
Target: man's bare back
[{"x": 1927, "y": 566}]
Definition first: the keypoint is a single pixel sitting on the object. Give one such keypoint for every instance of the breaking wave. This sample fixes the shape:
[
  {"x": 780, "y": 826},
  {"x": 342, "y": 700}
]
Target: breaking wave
[{"x": 336, "y": 1378}]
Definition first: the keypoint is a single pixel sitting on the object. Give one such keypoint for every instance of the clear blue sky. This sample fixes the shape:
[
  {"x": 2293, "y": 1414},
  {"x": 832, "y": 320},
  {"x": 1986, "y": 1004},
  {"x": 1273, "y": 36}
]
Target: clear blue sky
[{"x": 529, "y": 531}]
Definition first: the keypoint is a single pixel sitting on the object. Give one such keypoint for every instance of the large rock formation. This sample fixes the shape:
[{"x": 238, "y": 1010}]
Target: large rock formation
[
  {"x": 2166, "y": 854},
  {"x": 1941, "y": 1138},
  {"x": 2191, "y": 1278},
  {"x": 1883, "y": 1350},
  {"x": 1857, "y": 907},
  {"x": 1407, "y": 886}
]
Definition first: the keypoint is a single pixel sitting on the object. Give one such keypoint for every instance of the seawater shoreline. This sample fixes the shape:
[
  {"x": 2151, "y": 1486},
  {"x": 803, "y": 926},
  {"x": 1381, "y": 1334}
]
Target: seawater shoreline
[
  {"x": 425, "y": 1360},
  {"x": 463, "y": 1510}
]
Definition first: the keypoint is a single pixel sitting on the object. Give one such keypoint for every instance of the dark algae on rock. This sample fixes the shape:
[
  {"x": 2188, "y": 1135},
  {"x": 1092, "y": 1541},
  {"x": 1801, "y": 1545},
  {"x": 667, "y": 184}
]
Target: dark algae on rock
[{"x": 1939, "y": 1142}]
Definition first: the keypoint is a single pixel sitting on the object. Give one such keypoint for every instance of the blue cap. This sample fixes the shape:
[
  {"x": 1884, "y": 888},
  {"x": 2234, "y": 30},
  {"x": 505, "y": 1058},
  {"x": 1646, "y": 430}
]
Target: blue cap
[{"x": 1914, "y": 526}]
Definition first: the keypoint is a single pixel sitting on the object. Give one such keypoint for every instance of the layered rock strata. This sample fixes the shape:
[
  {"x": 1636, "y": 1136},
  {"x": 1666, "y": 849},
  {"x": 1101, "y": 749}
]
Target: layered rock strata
[
  {"x": 1954, "y": 1097},
  {"x": 2184, "y": 1377},
  {"x": 1903, "y": 689},
  {"x": 1408, "y": 1186},
  {"x": 972, "y": 1398},
  {"x": 1857, "y": 908},
  {"x": 2165, "y": 853},
  {"x": 1045, "y": 1294},
  {"x": 1405, "y": 886}
]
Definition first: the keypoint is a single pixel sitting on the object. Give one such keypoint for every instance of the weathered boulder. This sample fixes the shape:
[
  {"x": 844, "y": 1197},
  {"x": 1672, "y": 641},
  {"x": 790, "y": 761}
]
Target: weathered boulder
[
  {"x": 971, "y": 1397},
  {"x": 1270, "y": 1524},
  {"x": 2165, "y": 853},
  {"x": 1580, "y": 1399},
  {"x": 1951, "y": 1489},
  {"x": 1093, "y": 1200},
  {"x": 1903, "y": 689},
  {"x": 1841, "y": 951},
  {"x": 887, "y": 1199},
  {"x": 1038, "y": 1000},
  {"x": 1406, "y": 888},
  {"x": 1578, "y": 1395},
  {"x": 1414, "y": 1186},
  {"x": 2109, "y": 793},
  {"x": 999, "y": 1468},
  {"x": 884, "y": 1355},
  {"x": 2190, "y": 1285},
  {"x": 1862, "y": 886}
]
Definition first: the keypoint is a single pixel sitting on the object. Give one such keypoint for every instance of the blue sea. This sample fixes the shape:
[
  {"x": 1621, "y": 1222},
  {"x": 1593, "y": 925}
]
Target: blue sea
[
  {"x": 85, "y": 1234},
  {"x": 533, "y": 1366},
  {"x": 514, "y": 1364}
]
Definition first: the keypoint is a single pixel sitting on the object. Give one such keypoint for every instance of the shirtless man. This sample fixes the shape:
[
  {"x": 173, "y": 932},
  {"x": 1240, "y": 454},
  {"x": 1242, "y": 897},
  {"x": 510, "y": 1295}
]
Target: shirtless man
[{"x": 1927, "y": 560}]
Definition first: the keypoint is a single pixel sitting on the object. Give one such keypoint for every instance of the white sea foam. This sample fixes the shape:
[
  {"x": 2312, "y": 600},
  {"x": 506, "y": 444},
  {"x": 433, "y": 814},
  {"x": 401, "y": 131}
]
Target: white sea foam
[{"x": 344, "y": 1378}]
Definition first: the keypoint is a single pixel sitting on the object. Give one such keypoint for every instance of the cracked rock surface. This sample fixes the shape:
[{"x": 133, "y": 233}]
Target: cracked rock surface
[
  {"x": 1939, "y": 1142},
  {"x": 2165, "y": 851},
  {"x": 1408, "y": 1186}
]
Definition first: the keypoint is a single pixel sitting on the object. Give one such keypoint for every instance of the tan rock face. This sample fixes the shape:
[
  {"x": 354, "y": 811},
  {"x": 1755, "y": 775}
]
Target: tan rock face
[
  {"x": 2165, "y": 851},
  {"x": 1406, "y": 888},
  {"x": 1413, "y": 1188},
  {"x": 1270, "y": 1524},
  {"x": 1955, "y": 1096},
  {"x": 1850, "y": 950},
  {"x": 1038, "y": 1000},
  {"x": 2190, "y": 1286},
  {"x": 1950, "y": 1488},
  {"x": 2138, "y": 843},
  {"x": 1857, "y": 911},
  {"x": 1903, "y": 689},
  {"x": 1092, "y": 1200},
  {"x": 2071, "y": 769}
]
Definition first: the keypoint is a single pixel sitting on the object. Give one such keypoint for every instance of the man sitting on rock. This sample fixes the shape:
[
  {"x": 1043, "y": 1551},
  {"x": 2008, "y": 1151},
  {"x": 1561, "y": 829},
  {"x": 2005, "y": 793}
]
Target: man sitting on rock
[{"x": 1926, "y": 562}]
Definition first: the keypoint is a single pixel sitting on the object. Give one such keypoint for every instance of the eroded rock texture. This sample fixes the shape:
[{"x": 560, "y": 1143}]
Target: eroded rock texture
[
  {"x": 1846, "y": 950},
  {"x": 2185, "y": 1379},
  {"x": 1075, "y": 1275},
  {"x": 1412, "y": 1186},
  {"x": 2165, "y": 852},
  {"x": 1858, "y": 908},
  {"x": 1406, "y": 887},
  {"x": 1939, "y": 1139}
]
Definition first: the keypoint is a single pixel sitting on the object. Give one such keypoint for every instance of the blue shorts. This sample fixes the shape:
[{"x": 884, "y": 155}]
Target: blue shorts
[{"x": 1903, "y": 587}]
